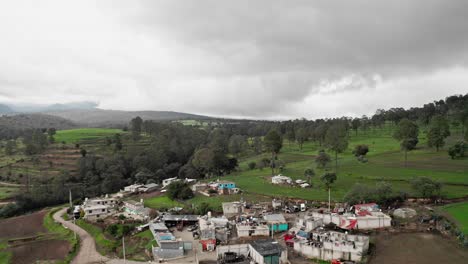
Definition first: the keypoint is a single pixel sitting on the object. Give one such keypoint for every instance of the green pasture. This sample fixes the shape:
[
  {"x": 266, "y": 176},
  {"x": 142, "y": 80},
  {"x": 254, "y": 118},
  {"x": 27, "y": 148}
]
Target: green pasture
[
  {"x": 459, "y": 211},
  {"x": 76, "y": 135}
]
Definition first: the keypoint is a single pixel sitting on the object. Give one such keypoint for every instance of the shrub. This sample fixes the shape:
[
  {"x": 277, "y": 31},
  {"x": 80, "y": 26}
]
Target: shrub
[
  {"x": 360, "y": 150},
  {"x": 426, "y": 187},
  {"x": 179, "y": 190},
  {"x": 252, "y": 165}
]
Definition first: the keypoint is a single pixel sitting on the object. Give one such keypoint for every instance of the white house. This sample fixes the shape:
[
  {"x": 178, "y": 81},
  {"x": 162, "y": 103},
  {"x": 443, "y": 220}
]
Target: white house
[
  {"x": 280, "y": 179},
  {"x": 99, "y": 207},
  {"x": 328, "y": 245},
  {"x": 134, "y": 188},
  {"x": 249, "y": 230},
  {"x": 168, "y": 181}
]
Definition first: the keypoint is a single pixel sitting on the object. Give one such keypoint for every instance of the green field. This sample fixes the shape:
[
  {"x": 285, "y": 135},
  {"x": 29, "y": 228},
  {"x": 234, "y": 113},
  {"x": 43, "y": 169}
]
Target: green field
[
  {"x": 7, "y": 192},
  {"x": 162, "y": 202},
  {"x": 76, "y": 135},
  {"x": 459, "y": 212},
  {"x": 386, "y": 163}
]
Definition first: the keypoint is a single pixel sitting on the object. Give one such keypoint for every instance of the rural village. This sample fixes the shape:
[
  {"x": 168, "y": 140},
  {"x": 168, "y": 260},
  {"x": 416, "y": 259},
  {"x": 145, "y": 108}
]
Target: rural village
[{"x": 233, "y": 132}]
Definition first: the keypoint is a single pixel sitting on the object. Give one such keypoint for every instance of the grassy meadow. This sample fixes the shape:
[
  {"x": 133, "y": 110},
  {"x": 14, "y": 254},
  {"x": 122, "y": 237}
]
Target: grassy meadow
[
  {"x": 71, "y": 136},
  {"x": 459, "y": 213},
  {"x": 385, "y": 163}
]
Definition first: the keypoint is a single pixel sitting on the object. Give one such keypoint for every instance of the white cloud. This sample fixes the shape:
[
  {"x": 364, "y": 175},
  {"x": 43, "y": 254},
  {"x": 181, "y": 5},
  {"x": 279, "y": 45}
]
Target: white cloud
[{"x": 263, "y": 59}]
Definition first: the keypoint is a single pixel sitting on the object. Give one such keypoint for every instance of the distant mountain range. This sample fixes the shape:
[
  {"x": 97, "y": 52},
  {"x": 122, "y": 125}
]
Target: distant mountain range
[
  {"x": 86, "y": 114},
  {"x": 100, "y": 117},
  {"x": 34, "y": 120},
  {"x": 36, "y": 108}
]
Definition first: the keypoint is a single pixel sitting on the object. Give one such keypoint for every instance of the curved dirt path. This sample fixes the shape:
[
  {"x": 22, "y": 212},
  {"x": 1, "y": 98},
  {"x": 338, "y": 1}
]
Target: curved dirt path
[{"x": 87, "y": 252}]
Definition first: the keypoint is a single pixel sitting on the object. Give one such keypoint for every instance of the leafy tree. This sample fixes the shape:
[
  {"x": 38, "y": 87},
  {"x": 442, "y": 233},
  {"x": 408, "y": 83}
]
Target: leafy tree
[
  {"x": 252, "y": 165},
  {"x": 426, "y": 187},
  {"x": 301, "y": 136},
  {"x": 257, "y": 145},
  {"x": 290, "y": 135},
  {"x": 382, "y": 193},
  {"x": 83, "y": 152},
  {"x": 10, "y": 147},
  {"x": 355, "y": 124},
  {"x": 273, "y": 142},
  {"x": 160, "y": 175},
  {"x": 179, "y": 190},
  {"x": 407, "y": 133},
  {"x": 458, "y": 150},
  {"x": 336, "y": 140},
  {"x": 135, "y": 125},
  {"x": 263, "y": 163},
  {"x": 320, "y": 132},
  {"x": 112, "y": 181},
  {"x": 439, "y": 129},
  {"x": 203, "y": 161},
  {"x": 144, "y": 175},
  {"x": 309, "y": 173},
  {"x": 188, "y": 171},
  {"x": 360, "y": 150},
  {"x": 51, "y": 132},
  {"x": 322, "y": 159},
  {"x": 118, "y": 142},
  {"x": 237, "y": 144},
  {"x": 328, "y": 179}
]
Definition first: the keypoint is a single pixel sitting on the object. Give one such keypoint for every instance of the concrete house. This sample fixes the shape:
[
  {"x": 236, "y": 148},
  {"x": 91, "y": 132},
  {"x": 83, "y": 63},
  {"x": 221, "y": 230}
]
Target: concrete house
[
  {"x": 180, "y": 220},
  {"x": 276, "y": 222},
  {"x": 265, "y": 251},
  {"x": 328, "y": 245},
  {"x": 233, "y": 209},
  {"x": 268, "y": 251},
  {"x": 97, "y": 208},
  {"x": 364, "y": 220},
  {"x": 95, "y": 212},
  {"x": 168, "y": 246},
  {"x": 168, "y": 181},
  {"x": 134, "y": 188},
  {"x": 136, "y": 210},
  {"x": 207, "y": 234},
  {"x": 149, "y": 187},
  {"x": 226, "y": 185},
  {"x": 280, "y": 179},
  {"x": 250, "y": 230}
]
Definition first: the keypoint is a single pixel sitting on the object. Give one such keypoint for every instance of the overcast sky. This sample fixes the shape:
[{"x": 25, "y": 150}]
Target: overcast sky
[{"x": 256, "y": 59}]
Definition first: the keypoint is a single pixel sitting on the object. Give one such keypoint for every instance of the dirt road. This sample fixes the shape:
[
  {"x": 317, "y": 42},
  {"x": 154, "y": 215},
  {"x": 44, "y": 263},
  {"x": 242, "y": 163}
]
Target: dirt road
[{"x": 87, "y": 253}]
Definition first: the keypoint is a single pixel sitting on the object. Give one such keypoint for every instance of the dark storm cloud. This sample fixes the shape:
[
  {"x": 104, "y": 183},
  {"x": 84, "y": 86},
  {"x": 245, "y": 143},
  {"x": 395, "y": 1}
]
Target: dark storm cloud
[
  {"x": 266, "y": 59},
  {"x": 320, "y": 36}
]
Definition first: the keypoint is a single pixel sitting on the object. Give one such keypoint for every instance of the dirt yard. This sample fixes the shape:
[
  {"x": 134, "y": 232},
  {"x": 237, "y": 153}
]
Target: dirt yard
[
  {"x": 40, "y": 250},
  {"x": 416, "y": 248},
  {"x": 22, "y": 226}
]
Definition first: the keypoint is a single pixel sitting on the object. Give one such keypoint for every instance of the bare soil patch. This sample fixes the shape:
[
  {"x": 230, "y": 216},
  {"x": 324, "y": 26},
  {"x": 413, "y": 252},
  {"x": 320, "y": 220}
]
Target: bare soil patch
[
  {"x": 40, "y": 250},
  {"x": 23, "y": 226},
  {"x": 416, "y": 248}
]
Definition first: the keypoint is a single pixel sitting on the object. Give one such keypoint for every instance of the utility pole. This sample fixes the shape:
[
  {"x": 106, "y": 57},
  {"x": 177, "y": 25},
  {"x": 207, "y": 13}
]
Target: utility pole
[
  {"x": 329, "y": 200},
  {"x": 71, "y": 203},
  {"x": 123, "y": 245}
]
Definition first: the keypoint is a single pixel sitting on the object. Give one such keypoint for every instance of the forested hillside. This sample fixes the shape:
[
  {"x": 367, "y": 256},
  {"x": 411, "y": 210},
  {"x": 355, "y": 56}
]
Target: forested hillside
[
  {"x": 389, "y": 154},
  {"x": 100, "y": 117},
  {"x": 13, "y": 126}
]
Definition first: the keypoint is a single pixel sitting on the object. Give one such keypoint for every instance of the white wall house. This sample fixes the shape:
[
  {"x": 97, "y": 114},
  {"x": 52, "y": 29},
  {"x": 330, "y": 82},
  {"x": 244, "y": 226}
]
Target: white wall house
[{"x": 332, "y": 245}]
